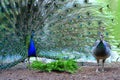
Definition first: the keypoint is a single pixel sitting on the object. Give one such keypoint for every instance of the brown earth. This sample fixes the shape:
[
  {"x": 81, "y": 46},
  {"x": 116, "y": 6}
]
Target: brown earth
[{"x": 87, "y": 72}]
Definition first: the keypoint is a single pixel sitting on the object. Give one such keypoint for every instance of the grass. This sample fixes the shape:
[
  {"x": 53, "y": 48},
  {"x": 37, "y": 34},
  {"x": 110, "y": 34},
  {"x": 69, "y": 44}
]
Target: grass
[{"x": 59, "y": 65}]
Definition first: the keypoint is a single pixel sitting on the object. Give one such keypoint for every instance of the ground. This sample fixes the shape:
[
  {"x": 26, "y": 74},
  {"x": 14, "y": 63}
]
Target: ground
[{"x": 87, "y": 72}]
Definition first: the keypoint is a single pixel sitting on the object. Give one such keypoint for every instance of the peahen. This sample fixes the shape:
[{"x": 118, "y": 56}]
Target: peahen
[{"x": 101, "y": 50}]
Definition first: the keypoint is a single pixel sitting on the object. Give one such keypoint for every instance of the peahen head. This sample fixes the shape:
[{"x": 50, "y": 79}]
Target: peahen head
[{"x": 101, "y": 37}]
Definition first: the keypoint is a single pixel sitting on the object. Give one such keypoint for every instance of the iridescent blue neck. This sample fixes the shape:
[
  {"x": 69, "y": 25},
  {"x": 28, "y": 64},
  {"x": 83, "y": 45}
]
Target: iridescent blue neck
[{"x": 32, "y": 34}]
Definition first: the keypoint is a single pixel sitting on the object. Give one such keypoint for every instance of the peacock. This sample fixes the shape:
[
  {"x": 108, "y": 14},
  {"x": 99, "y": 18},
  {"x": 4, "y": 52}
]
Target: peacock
[
  {"x": 31, "y": 49},
  {"x": 57, "y": 24},
  {"x": 101, "y": 50}
]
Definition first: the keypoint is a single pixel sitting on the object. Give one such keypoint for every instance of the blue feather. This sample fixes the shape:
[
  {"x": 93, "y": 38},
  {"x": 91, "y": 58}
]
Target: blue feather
[{"x": 31, "y": 49}]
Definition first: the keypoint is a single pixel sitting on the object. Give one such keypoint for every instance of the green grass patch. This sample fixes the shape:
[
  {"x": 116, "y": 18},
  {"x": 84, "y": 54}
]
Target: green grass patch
[{"x": 70, "y": 66}]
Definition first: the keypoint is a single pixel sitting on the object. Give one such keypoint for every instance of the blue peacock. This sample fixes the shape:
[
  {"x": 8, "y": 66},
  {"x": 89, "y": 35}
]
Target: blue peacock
[{"x": 31, "y": 49}]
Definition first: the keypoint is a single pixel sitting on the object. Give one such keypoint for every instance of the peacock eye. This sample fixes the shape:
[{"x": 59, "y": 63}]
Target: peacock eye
[
  {"x": 46, "y": 6},
  {"x": 17, "y": 5},
  {"x": 8, "y": 6},
  {"x": 10, "y": 26},
  {"x": 107, "y": 33},
  {"x": 89, "y": 23},
  {"x": 89, "y": 32},
  {"x": 60, "y": 17},
  {"x": 11, "y": 15},
  {"x": 75, "y": 5},
  {"x": 62, "y": 0},
  {"x": 99, "y": 22},
  {"x": 67, "y": 10},
  {"x": 112, "y": 20},
  {"x": 86, "y": 1},
  {"x": 2, "y": 10},
  {"x": 88, "y": 13},
  {"x": 4, "y": 19},
  {"x": 78, "y": 17}
]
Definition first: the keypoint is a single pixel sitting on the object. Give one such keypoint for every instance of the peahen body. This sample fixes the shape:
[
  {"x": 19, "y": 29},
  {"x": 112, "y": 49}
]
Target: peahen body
[{"x": 101, "y": 50}]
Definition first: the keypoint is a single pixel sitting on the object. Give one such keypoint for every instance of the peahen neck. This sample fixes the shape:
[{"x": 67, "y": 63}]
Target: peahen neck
[
  {"x": 101, "y": 46},
  {"x": 101, "y": 37}
]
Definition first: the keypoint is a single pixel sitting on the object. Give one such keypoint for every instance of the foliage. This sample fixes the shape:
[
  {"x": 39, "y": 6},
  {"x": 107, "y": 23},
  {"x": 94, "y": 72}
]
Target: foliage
[{"x": 59, "y": 65}]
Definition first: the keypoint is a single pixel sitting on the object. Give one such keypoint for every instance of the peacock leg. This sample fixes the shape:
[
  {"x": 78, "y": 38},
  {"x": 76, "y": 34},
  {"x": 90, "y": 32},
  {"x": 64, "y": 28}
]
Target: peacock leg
[
  {"x": 28, "y": 62},
  {"x": 103, "y": 65},
  {"x": 97, "y": 70},
  {"x": 36, "y": 58}
]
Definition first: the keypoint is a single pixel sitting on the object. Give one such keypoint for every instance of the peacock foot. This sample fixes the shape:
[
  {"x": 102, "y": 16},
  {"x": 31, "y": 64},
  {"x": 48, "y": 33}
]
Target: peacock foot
[
  {"x": 102, "y": 70},
  {"x": 97, "y": 70}
]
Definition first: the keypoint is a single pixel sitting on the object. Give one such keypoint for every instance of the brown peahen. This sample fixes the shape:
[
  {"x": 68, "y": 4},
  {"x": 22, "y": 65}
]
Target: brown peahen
[{"x": 101, "y": 50}]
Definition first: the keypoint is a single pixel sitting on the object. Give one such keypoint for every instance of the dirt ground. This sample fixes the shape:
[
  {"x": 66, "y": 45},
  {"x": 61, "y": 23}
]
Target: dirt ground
[{"x": 87, "y": 72}]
